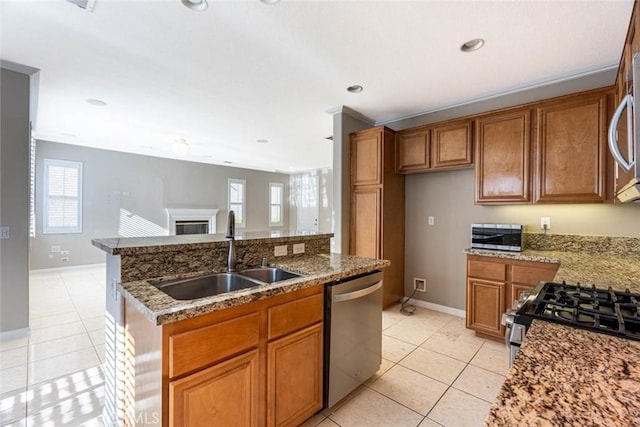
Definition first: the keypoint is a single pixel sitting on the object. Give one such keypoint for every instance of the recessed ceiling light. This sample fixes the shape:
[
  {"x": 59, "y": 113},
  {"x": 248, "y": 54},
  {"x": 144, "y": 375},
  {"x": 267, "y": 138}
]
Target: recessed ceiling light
[
  {"x": 262, "y": 141},
  {"x": 471, "y": 45},
  {"x": 198, "y": 5},
  {"x": 270, "y": 1},
  {"x": 355, "y": 89},
  {"x": 96, "y": 102}
]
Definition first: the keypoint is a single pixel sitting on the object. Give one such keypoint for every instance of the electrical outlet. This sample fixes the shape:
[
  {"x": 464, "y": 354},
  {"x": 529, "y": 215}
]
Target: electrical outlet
[
  {"x": 280, "y": 250},
  {"x": 545, "y": 223},
  {"x": 4, "y": 232},
  {"x": 64, "y": 259},
  {"x": 419, "y": 285},
  {"x": 64, "y": 252},
  {"x": 431, "y": 220},
  {"x": 113, "y": 289},
  {"x": 55, "y": 249},
  {"x": 298, "y": 248}
]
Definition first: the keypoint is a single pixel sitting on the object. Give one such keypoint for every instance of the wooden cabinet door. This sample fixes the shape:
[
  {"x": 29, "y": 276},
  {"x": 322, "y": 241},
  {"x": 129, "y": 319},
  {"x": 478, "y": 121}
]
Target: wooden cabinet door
[
  {"x": 294, "y": 377},
  {"x": 365, "y": 227},
  {"x": 571, "y": 138},
  {"x": 413, "y": 151},
  {"x": 485, "y": 305},
  {"x": 451, "y": 145},
  {"x": 503, "y": 147},
  {"x": 366, "y": 157},
  {"x": 225, "y": 394}
]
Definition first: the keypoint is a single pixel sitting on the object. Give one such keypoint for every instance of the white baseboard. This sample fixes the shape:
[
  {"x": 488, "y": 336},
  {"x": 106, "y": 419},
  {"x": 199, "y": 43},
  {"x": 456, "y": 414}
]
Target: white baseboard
[
  {"x": 438, "y": 307},
  {"x": 71, "y": 267},
  {"x": 14, "y": 334}
]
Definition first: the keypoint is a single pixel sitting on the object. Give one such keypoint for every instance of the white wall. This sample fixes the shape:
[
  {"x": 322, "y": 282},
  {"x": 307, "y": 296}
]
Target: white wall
[
  {"x": 14, "y": 199},
  {"x": 125, "y": 193}
]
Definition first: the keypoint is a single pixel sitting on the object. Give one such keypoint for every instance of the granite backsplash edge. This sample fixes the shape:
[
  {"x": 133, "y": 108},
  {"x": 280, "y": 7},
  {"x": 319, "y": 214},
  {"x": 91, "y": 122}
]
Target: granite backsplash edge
[{"x": 623, "y": 246}]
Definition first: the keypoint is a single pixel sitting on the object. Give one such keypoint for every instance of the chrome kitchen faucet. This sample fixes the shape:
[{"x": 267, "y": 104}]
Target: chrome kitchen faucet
[{"x": 231, "y": 235}]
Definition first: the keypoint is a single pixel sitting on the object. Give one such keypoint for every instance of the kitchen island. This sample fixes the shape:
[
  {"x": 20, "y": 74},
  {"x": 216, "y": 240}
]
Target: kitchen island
[
  {"x": 234, "y": 356},
  {"x": 570, "y": 377}
]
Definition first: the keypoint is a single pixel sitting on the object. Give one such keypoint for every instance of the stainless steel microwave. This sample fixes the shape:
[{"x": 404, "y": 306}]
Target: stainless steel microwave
[
  {"x": 625, "y": 152},
  {"x": 502, "y": 237}
]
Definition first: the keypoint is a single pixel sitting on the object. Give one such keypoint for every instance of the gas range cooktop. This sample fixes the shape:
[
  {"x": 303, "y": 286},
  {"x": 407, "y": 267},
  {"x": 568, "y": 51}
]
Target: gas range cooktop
[{"x": 595, "y": 309}]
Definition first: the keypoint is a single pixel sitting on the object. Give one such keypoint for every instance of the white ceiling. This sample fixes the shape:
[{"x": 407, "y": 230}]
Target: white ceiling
[{"x": 245, "y": 70}]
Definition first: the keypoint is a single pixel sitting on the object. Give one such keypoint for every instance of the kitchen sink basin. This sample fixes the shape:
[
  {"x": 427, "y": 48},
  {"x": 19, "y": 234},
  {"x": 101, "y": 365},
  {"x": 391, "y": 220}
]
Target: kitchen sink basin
[
  {"x": 205, "y": 286},
  {"x": 268, "y": 274}
]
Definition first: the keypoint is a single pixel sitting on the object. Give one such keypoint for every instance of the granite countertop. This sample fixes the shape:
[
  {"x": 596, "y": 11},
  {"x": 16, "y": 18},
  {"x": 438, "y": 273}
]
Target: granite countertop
[
  {"x": 160, "y": 308},
  {"x": 130, "y": 245},
  {"x": 564, "y": 376},
  {"x": 603, "y": 270}
]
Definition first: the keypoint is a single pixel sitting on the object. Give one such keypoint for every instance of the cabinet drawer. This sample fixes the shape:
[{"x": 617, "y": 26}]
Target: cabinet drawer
[
  {"x": 531, "y": 275},
  {"x": 191, "y": 350},
  {"x": 487, "y": 270},
  {"x": 295, "y": 315}
]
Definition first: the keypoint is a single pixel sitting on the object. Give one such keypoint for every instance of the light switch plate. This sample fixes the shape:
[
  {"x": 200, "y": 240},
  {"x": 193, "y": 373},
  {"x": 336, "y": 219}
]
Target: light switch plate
[
  {"x": 4, "y": 232},
  {"x": 280, "y": 250},
  {"x": 298, "y": 248}
]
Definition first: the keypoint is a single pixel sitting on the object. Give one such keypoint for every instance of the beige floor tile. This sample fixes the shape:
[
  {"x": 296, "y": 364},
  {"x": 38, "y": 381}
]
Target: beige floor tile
[
  {"x": 391, "y": 316},
  {"x": 328, "y": 423},
  {"x": 458, "y": 409},
  {"x": 479, "y": 383},
  {"x": 55, "y": 332},
  {"x": 394, "y": 350},
  {"x": 413, "y": 330},
  {"x": 53, "y": 367},
  {"x": 57, "y": 347},
  {"x": 13, "y": 379},
  {"x": 100, "y": 351},
  {"x": 57, "y": 319},
  {"x": 82, "y": 409},
  {"x": 13, "y": 406},
  {"x": 89, "y": 312},
  {"x": 329, "y": 411},
  {"x": 495, "y": 345},
  {"x": 14, "y": 357},
  {"x": 314, "y": 421},
  {"x": 8, "y": 344},
  {"x": 370, "y": 409},
  {"x": 492, "y": 360},
  {"x": 410, "y": 388},
  {"x": 427, "y": 422},
  {"x": 452, "y": 346},
  {"x": 51, "y": 310},
  {"x": 437, "y": 366},
  {"x": 97, "y": 337},
  {"x": 21, "y": 423},
  {"x": 53, "y": 392},
  {"x": 385, "y": 365},
  {"x": 94, "y": 323}
]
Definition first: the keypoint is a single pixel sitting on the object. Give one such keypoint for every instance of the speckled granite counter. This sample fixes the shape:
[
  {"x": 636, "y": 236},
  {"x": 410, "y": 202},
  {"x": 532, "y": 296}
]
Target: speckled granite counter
[
  {"x": 160, "y": 308},
  {"x": 564, "y": 376},
  {"x": 618, "y": 271}
]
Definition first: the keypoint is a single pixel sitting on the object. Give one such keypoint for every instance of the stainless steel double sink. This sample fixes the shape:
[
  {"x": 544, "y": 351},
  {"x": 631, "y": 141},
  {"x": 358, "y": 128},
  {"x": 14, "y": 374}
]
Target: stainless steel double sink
[{"x": 220, "y": 283}]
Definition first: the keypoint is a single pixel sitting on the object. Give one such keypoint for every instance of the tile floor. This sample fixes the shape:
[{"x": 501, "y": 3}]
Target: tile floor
[{"x": 434, "y": 371}]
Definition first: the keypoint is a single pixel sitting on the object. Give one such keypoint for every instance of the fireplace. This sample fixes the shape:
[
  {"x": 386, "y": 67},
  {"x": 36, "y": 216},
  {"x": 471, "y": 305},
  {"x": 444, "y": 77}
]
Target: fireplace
[{"x": 191, "y": 221}]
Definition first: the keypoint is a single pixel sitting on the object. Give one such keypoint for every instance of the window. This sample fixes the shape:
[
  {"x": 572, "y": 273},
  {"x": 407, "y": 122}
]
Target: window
[
  {"x": 276, "y": 193},
  {"x": 32, "y": 188},
  {"x": 238, "y": 200},
  {"x": 62, "y": 197}
]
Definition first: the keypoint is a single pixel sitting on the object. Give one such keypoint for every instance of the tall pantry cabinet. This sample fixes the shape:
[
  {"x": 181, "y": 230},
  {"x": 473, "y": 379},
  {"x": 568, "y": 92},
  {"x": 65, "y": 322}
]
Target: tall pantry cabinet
[{"x": 377, "y": 206}]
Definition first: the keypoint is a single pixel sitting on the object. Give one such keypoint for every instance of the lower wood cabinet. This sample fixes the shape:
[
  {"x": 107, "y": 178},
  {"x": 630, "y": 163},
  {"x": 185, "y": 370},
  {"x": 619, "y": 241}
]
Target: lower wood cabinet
[
  {"x": 294, "y": 377},
  {"x": 493, "y": 284},
  {"x": 226, "y": 392},
  {"x": 257, "y": 364}
]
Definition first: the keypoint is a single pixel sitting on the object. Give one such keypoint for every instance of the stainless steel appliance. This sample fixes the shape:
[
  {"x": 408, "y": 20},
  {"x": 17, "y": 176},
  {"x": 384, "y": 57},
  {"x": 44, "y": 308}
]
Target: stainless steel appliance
[
  {"x": 595, "y": 309},
  {"x": 353, "y": 334},
  {"x": 625, "y": 152},
  {"x": 502, "y": 237}
]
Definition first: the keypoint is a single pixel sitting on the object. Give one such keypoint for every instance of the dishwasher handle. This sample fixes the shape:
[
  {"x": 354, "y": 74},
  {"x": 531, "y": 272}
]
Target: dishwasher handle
[{"x": 357, "y": 294}]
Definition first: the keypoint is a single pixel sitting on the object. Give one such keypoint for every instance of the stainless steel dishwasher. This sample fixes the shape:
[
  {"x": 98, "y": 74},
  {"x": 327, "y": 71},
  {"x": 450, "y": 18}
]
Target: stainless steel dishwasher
[{"x": 353, "y": 334}]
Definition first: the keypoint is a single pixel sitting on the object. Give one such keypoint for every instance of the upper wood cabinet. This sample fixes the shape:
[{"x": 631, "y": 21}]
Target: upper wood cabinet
[
  {"x": 441, "y": 146},
  {"x": 452, "y": 145},
  {"x": 571, "y": 150},
  {"x": 413, "y": 150},
  {"x": 366, "y": 157},
  {"x": 503, "y": 147}
]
